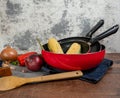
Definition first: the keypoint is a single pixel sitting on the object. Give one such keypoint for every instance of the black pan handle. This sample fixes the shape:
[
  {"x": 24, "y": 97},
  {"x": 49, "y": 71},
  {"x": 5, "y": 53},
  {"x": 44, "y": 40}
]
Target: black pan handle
[
  {"x": 105, "y": 34},
  {"x": 95, "y": 28}
]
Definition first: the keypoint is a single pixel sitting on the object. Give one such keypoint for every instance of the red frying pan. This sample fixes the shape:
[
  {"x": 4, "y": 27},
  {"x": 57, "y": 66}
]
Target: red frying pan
[
  {"x": 78, "y": 61},
  {"x": 74, "y": 62}
]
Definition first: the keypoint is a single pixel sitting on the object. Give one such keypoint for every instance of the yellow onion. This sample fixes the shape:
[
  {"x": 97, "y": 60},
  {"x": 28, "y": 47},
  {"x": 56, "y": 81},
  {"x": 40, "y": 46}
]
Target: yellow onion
[{"x": 8, "y": 54}]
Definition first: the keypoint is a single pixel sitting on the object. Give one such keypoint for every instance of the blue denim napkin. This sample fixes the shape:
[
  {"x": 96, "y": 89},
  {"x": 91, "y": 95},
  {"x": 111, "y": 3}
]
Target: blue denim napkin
[{"x": 93, "y": 75}]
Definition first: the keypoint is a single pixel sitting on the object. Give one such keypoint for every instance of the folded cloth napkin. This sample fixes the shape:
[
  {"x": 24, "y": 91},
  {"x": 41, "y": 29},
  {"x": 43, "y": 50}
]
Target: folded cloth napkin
[{"x": 93, "y": 75}]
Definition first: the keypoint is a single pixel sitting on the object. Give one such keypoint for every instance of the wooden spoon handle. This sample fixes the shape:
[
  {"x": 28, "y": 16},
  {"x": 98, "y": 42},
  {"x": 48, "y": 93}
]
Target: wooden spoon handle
[{"x": 64, "y": 75}]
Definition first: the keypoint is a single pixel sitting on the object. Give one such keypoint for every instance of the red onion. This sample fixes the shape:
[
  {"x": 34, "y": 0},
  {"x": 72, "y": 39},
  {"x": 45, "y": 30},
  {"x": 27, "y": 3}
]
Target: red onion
[{"x": 34, "y": 62}]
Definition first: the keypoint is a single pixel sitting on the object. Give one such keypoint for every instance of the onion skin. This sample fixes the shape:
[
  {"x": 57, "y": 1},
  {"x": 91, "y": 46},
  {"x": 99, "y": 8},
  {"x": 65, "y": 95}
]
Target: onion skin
[{"x": 8, "y": 54}]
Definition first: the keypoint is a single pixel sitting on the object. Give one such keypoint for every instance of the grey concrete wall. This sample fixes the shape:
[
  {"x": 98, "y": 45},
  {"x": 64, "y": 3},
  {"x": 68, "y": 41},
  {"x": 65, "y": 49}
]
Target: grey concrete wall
[{"x": 21, "y": 21}]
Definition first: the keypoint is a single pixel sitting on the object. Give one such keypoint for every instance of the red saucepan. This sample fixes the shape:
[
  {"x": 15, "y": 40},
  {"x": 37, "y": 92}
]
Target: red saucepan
[
  {"x": 77, "y": 61},
  {"x": 74, "y": 62},
  {"x": 70, "y": 40}
]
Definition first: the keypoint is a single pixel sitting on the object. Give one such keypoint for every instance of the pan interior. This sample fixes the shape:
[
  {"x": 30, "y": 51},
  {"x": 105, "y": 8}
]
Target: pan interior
[
  {"x": 84, "y": 46},
  {"x": 65, "y": 46},
  {"x": 67, "y": 42}
]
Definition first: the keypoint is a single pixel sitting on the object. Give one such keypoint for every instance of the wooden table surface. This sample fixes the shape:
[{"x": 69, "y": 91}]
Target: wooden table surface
[{"x": 108, "y": 87}]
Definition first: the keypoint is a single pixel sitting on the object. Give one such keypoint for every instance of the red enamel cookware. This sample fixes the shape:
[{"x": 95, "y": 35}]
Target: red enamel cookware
[
  {"x": 74, "y": 62},
  {"x": 78, "y": 61}
]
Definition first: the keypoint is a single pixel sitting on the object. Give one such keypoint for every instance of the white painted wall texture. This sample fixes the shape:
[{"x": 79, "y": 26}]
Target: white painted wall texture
[{"x": 21, "y": 21}]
